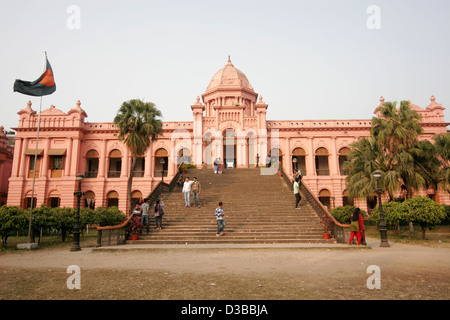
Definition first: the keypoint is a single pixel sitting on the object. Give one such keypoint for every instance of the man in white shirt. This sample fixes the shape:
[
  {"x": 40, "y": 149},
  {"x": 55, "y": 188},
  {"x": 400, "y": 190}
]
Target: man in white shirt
[{"x": 187, "y": 192}]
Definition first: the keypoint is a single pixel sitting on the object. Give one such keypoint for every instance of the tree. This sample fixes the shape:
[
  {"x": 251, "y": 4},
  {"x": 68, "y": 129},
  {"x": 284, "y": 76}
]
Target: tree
[
  {"x": 138, "y": 126},
  {"x": 393, "y": 148},
  {"x": 424, "y": 212}
]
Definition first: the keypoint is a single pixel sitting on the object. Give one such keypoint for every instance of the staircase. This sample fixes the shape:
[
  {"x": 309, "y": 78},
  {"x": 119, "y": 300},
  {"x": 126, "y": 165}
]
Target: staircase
[{"x": 258, "y": 209}]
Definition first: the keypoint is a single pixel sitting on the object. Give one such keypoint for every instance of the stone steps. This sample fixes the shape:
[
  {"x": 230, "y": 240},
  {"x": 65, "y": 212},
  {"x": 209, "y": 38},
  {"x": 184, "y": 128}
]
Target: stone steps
[{"x": 258, "y": 209}]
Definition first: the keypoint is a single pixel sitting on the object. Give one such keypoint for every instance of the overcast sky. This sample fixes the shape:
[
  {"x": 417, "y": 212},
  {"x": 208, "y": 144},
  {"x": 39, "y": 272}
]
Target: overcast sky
[{"x": 321, "y": 60}]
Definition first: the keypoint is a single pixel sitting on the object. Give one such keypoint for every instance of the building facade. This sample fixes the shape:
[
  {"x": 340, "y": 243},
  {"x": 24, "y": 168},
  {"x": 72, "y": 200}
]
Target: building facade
[
  {"x": 6, "y": 161},
  {"x": 229, "y": 124}
]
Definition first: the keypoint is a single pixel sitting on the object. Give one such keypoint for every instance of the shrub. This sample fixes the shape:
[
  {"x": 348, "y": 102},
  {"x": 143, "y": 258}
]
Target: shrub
[
  {"x": 424, "y": 212},
  {"x": 108, "y": 216},
  {"x": 13, "y": 220},
  {"x": 344, "y": 214}
]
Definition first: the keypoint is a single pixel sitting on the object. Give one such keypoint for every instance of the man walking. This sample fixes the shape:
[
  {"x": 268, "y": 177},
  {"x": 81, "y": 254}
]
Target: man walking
[
  {"x": 145, "y": 214},
  {"x": 196, "y": 191},
  {"x": 298, "y": 197},
  {"x": 220, "y": 219},
  {"x": 187, "y": 192}
]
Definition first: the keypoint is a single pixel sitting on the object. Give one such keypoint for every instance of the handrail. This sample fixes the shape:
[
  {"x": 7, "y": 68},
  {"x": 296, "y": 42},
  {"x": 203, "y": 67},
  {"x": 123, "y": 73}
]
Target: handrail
[
  {"x": 338, "y": 229},
  {"x": 120, "y": 235}
]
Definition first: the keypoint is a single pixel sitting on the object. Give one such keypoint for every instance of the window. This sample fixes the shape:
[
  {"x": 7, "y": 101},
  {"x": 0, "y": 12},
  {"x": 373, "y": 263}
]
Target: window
[
  {"x": 322, "y": 168},
  {"x": 91, "y": 164},
  {"x": 115, "y": 164},
  {"x": 112, "y": 199}
]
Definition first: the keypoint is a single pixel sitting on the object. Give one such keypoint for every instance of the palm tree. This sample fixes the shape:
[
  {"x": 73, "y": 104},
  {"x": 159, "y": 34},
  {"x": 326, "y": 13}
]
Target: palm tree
[
  {"x": 397, "y": 132},
  {"x": 138, "y": 126},
  {"x": 390, "y": 148}
]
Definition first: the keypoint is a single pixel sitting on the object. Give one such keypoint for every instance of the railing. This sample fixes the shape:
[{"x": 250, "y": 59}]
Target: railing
[
  {"x": 338, "y": 230},
  {"x": 117, "y": 235}
]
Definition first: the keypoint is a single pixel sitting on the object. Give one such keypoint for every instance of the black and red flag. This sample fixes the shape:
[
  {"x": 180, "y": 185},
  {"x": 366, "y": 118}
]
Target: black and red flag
[{"x": 43, "y": 86}]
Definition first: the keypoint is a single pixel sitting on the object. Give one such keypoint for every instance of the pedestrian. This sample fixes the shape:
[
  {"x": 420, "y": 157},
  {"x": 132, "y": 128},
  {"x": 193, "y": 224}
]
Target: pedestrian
[
  {"x": 298, "y": 197},
  {"x": 216, "y": 163},
  {"x": 294, "y": 176},
  {"x": 187, "y": 192},
  {"x": 196, "y": 192},
  {"x": 257, "y": 160},
  {"x": 145, "y": 214},
  {"x": 220, "y": 219},
  {"x": 220, "y": 166},
  {"x": 356, "y": 226},
  {"x": 180, "y": 182},
  {"x": 159, "y": 212}
]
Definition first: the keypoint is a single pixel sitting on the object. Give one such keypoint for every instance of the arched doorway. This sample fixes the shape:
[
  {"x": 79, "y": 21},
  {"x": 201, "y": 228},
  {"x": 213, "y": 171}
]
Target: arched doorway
[
  {"x": 115, "y": 164},
  {"x": 229, "y": 148}
]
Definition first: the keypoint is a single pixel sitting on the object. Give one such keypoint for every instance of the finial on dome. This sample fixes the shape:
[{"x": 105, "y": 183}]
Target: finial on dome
[
  {"x": 78, "y": 103},
  {"x": 29, "y": 104},
  {"x": 433, "y": 99},
  {"x": 382, "y": 99}
]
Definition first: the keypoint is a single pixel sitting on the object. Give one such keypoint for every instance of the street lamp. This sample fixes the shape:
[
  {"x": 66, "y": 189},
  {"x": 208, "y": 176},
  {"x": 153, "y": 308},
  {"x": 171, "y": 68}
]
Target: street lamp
[
  {"x": 162, "y": 169},
  {"x": 294, "y": 161},
  {"x": 76, "y": 227},
  {"x": 382, "y": 224}
]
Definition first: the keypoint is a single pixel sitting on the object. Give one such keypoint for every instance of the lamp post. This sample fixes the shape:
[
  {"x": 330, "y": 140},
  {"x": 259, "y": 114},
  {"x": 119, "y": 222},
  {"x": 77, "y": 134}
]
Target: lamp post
[
  {"x": 382, "y": 224},
  {"x": 76, "y": 227},
  {"x": 162, "y": 169},
  {"x": 294, "y": 161}
]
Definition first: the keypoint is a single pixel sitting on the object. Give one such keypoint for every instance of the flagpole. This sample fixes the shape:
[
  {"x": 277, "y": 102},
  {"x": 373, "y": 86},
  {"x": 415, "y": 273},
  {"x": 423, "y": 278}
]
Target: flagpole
[{"x": 34, "y": 169}]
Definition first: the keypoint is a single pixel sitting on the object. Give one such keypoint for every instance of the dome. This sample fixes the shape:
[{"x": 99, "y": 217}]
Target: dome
[{"x": 229, "y": 76}]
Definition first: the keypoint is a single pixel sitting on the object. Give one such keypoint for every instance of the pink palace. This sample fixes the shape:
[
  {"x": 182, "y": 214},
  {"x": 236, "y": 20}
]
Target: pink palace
[{"x": 229, "y": 122}]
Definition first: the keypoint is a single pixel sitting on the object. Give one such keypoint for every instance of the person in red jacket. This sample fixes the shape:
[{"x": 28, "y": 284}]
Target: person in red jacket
[{"x": 356, "y": 226}]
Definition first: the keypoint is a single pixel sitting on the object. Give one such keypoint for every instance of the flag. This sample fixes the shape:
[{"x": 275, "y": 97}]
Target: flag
[{"x": 43, "y": 86}]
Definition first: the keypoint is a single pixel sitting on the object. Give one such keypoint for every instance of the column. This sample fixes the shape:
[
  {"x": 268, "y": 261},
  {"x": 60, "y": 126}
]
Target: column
[
  {"x": 310, "y": 167},
  {"x": 45, "y": 158},
  {"x": 69, "y": 158},
  {"x": 18, "y": 155},
  {"x": 102, "y": 160},
  {"x": 22, "y": 169}
]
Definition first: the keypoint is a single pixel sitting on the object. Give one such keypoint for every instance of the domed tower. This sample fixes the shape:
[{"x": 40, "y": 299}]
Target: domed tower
[
  {"x": 229, "y": 88},
  {"x": 233, "y": 121}
]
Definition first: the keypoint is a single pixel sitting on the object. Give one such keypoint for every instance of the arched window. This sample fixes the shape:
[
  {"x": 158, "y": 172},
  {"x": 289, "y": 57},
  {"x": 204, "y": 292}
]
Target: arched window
[
  {"x": 135, "y": 197},
  {"x": 54, "y": 199},
  {"x": 184, "y": 155},
  {"x": 346, "y": 200},
  {"x": 115, "y": 164},
  {"x": 325, "y": 197},
  {"x": 275, "y": 158},
  {"x": 112, "y": 199},
  {"x": 299, "y": 160},
  {"x": 322, "y": 168},
  {"x": 91, "y": 164},
  {"x": 89, "y": 199},
  {"x": 343, "y": 153},
  {"x": 161, "y": 163}
]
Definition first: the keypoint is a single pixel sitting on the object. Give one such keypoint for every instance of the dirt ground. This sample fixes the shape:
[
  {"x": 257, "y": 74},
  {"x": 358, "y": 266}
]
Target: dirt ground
[{"x": 406, "y": 272}]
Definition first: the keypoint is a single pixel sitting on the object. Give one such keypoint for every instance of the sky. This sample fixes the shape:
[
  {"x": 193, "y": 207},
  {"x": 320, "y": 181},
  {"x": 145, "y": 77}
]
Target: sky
[{"x": 309, "y": 60}]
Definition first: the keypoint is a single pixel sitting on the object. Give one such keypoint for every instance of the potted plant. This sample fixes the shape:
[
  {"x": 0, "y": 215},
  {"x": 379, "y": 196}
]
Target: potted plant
[
  {"x": 326, "y": 222},
  {"x": 135, "y": 227}
]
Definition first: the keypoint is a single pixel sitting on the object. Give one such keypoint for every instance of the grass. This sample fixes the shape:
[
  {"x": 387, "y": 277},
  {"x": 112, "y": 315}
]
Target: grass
[
  {"x": 439, "y": 236},
  {"x": 86, "y": 240}
]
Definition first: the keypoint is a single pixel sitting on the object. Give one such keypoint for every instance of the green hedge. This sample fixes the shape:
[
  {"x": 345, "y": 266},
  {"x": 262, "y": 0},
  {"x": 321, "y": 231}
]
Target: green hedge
[
  {"x": 15, "y": 221},
  {"x": 421, "y": 211}
]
